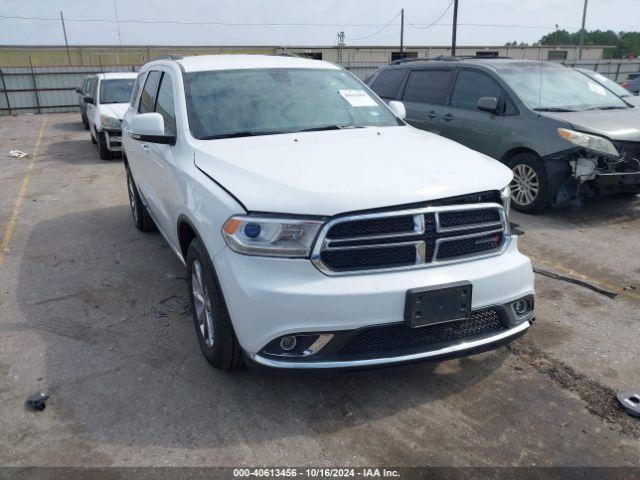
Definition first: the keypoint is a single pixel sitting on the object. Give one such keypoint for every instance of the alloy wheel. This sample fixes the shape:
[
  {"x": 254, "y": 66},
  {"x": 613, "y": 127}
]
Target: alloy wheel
[
  {"x": 202, "y": 303},
  {"x": 525, "y": 185}
]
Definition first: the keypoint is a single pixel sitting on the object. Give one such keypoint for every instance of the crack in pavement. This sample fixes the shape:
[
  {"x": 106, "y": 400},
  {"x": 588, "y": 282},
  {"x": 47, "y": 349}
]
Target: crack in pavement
[{"x": 600, "y": 400}]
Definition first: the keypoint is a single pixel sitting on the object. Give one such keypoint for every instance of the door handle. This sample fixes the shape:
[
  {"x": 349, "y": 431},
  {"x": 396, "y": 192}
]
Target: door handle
[
  {"x": 447, "y": 118},
  {"x": 145, "y": 147},
  {"x": 431, "y": 115}
]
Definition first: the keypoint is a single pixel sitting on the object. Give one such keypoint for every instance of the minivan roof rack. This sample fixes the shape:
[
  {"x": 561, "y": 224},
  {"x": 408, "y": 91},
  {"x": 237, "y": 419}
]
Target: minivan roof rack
[{"x": 447, "y": 58}]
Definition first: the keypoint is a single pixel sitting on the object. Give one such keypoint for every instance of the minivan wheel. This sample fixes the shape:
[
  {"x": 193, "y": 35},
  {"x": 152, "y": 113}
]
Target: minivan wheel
[
  {"x": 141, "y": 218},
  {"x": 85, "y": 122},
  {"x": 215, "y": 333},
  {"x": 529, "y": 187}
]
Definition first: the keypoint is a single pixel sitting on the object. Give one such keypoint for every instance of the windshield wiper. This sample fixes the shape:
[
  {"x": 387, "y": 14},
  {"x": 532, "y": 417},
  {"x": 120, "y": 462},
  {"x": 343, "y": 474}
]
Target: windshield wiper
[
  {"x": 242, "y": 133},
  {"x": 329, "y": 127},
  {"x": 554, "y": 109},
  {"x": 608, "y": 107}
]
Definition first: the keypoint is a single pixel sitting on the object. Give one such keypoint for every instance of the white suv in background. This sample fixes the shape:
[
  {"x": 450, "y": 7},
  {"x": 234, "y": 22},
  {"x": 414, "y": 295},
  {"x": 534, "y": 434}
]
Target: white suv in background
[
  {"x": 318, "y": 229},
  {"x": 107, "y": 101}
]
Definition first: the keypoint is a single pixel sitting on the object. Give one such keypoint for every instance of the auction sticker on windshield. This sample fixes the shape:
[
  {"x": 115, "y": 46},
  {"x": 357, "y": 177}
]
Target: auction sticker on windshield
[{"x": 358, "y": 98}]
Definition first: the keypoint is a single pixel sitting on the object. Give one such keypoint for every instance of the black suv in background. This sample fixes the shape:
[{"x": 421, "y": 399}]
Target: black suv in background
[{"x": 564, "y": 135}]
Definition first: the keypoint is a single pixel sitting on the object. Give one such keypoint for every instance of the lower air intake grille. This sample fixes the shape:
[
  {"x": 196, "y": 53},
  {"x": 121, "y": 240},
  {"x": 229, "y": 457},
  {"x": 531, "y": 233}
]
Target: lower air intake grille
[{"x": 401, "y": 338}]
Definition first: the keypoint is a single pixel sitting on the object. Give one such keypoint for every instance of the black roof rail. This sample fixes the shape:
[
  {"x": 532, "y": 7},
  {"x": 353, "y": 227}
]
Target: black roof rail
[
  {"x": 167, "y": 57},
  {"x": 405, "y": 60}
]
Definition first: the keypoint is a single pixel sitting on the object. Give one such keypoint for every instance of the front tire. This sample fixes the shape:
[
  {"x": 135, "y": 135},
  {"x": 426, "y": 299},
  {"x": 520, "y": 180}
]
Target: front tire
[
  {"x": 103, "y": 150},
  {"x": 85, "y": 122},
  {"x": 141, "y": 218},
  {"x": 530, "y": 186},
  {"x": 218, "y": 342}
]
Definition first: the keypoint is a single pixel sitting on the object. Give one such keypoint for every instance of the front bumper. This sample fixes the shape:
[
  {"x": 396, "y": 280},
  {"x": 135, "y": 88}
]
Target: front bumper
[
  {"x": 114, "y": 140},
  {"x": 461, "y": 349},
  {"x": 268, "y": 298}
]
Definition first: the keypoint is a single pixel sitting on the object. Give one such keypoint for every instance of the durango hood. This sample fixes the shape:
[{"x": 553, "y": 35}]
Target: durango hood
[
  {"x": 116, "y": 110},
  {"x": 337, "y": 171},
  {"x": 621, "y": 125}
]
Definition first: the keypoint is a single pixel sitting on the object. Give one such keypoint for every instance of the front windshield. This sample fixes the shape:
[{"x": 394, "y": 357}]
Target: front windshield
[
  {"x": 116, "y": 91},
  {"x": 556, "y": 88},
  {"x": 267, "y": 101},
  {"x": 610, "y": 84}
]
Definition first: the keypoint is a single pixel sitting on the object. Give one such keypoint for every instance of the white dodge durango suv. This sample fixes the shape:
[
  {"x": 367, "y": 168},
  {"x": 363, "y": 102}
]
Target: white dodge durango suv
[{"x": 318, "y": 229}]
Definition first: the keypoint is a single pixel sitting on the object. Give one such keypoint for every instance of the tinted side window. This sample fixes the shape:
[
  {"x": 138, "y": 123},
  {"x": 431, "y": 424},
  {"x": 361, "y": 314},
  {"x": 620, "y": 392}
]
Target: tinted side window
[
  {"x": 136, "y": 88},
  {"x": 148, "y": 97},
  {"x": 164, "y": 105},
  {"x": 386, "y": 84},
  {"x": 85, "y": 85},
  {"x": 471, "y": 86},
  {"x": 428, "y": 86}
]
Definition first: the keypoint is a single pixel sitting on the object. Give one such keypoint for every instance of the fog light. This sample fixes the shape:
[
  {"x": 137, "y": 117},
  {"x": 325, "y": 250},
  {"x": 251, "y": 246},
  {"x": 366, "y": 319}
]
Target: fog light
[
  {"x": 288, "y": 343},
  {"x": 521, "y": 307}
]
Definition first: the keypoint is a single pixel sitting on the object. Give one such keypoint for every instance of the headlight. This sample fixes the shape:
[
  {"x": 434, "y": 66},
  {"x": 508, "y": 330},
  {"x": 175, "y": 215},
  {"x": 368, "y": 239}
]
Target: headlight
[
  {"x": 109, "y": 122},
  {"x": 270, "y": 236},
  {"x": 590, "y": 142},
  {"x": 505, "y": 198}
]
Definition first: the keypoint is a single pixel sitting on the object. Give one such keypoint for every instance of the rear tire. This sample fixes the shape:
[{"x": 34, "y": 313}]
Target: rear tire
[
  {"x": 103, "y": 150},
  {"x": 141, "y": 218},
  {"x": 530, "y": 186},
  {"x": 218, "y": 342}
]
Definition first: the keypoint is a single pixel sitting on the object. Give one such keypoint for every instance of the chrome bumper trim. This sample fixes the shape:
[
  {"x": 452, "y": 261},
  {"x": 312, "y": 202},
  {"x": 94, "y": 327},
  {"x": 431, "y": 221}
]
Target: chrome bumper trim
[{"x": 458, "y": 348}]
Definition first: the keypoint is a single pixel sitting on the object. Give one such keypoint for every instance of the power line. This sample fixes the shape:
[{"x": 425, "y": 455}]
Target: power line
[
  {"x": 436, "y": 20},
  {"x": 184, "y": 22},
  {"x": 377, "y": 31}
]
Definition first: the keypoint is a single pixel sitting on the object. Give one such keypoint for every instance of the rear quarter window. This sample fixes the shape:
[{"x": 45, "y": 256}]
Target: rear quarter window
[{"x": 387, "y": 83}]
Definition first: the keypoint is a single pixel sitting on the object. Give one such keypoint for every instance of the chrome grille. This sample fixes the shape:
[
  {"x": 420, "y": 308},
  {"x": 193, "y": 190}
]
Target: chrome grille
[{"x": 414, "y": 238}]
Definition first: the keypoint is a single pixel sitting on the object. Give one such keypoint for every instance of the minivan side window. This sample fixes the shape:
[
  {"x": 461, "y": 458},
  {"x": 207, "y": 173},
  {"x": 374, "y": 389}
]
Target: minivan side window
[
  {"x": 165, "y": 106},
  {"x": 428, "y": 86},
  {"x": 470, "y": 86},
  {"x": 387, "y": 84},
  {"x": 148, "y": 97}
]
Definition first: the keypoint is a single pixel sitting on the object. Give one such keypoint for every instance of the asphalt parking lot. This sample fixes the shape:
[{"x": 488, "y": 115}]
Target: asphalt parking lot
[{"x": 93, "y": 312}]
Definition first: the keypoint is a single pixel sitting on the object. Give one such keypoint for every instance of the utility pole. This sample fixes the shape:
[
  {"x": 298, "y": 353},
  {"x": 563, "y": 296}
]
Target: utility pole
[
  {"x": 455, "y": 28},
  {"x": 115, "y": 9},
  {"x": 582, "y": 32},
  {"x": 66, "y": 42},
  {"x": 340, "y": 46},
  {"x": 402, "y": 33}
]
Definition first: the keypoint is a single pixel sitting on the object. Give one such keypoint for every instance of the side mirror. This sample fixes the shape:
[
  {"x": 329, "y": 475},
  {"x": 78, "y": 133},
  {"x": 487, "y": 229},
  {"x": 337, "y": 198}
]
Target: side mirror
[
  {"x": 149, "y": 127},
  {"x": 488, "y": 104},
  {"x": 398, "y": 108},
  {"x": 79, "y": 90},
  {"x": 89, "y": 99}
]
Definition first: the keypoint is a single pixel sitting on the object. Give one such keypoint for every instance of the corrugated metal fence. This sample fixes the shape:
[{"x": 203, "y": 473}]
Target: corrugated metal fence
[
  {"x": 52, "y": 89},
  {"x": 45, "y": 89}
]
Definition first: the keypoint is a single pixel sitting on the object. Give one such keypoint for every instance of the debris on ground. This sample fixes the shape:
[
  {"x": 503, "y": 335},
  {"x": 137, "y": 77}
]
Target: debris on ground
[
  {"x": 173, "y": 304},
  {"x": 17, "y": 154},
  {"x": 630, "y": 402},
  {"x": 577, "y": 281},
  {"x": 37, "y": 401}
]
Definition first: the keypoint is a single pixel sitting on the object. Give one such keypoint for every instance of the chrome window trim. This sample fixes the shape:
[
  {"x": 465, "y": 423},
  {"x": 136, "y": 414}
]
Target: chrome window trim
[{"x": 322, "y": 242}]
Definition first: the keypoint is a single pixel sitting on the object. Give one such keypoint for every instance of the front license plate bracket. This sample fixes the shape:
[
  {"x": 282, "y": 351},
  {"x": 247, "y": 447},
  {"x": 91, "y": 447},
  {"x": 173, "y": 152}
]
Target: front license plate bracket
[{"x": 438, "y": 304}]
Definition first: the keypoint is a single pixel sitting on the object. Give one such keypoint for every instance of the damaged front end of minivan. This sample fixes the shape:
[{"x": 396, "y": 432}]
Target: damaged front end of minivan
[{"x": 595, "y": 167}]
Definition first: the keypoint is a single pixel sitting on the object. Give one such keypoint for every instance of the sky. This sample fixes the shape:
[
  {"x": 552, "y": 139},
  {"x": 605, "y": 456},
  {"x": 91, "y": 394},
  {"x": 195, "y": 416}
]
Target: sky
[{"x": 301, "y": 22}]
